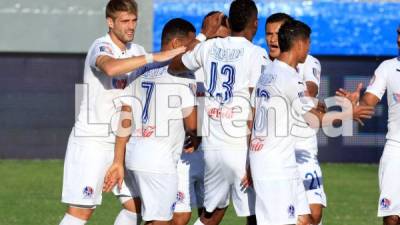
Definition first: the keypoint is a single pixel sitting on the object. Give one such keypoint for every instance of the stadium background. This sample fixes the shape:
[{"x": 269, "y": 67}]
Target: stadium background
[{"x": 44, "y": 42}]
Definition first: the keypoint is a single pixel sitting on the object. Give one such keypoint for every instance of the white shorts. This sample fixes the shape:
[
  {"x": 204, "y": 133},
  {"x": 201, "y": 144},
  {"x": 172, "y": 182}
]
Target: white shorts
[
  {"x": 85, "y": 165},
  {"x": 190, "y": 181},
  {"x": 278, "y": 201},
  {"x": 311, "y": 174},
  {"x": 156, "y": 191},
  {"x": 224, "y": 170},
  {"x": 389, "y": 182}
]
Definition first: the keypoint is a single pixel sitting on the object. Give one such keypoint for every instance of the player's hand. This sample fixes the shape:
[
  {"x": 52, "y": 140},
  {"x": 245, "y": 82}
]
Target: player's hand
[
  {"x": 114, "y": 176},
  {"x": 362, "y": 112},
  {"x": 247, "y": 180},
  {"x": 168, "y": 55},
  {"x": 212, "y": 24},
  {"x": 191, "y": 144},
  {"x": 321, "y": 107},
  {"x": 354, "y": 97}
]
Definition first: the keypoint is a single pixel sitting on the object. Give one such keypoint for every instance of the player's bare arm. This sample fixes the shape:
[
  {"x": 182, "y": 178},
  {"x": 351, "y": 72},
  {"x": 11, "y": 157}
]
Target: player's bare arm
[
  {"x": 209, "y": 30},
  {"x": 115, "y": 67},
  {"x": 190, "y": 123},
  {"x": 316, "y": 118},
  {"x": 312, "y": 89},
  {"x": 115, "y": 174}
]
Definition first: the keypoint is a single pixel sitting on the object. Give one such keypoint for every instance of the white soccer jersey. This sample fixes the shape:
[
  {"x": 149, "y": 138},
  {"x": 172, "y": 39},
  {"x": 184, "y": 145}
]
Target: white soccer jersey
[
  {"x": 272, "y": 153},
  {"x": 310, "y": 71},
  {"x": 158, "y": 133},
  {"x": 387, "y": 78},
  {"x": 231, "y": 66},
  {"x": 97, "y": 107}
]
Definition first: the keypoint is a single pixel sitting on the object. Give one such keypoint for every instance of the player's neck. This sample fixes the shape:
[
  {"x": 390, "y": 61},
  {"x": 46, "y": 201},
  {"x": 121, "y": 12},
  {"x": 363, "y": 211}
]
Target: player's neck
[
  {"x": 246, "y": 34},
  {"x": 121, "y": 45},
  {"x": 288, "y": 58}
]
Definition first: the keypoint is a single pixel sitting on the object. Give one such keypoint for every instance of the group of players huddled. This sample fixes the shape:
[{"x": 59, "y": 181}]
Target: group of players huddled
[{"x": 210, "y": 118}]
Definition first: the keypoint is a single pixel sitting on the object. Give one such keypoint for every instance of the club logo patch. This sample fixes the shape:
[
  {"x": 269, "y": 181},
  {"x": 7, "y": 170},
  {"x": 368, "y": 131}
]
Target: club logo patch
[
  {"x": 87, "y": 192},
  {"x": 106, "y": 49},
  {"x": 180, "y": 196},
  {"x": 396, "y": 97},
  {"x": 385, "y": 203}
]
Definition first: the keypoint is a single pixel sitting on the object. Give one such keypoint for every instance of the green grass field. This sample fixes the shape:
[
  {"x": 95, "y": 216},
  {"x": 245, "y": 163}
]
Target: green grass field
[{"x": 30, "y": 195}]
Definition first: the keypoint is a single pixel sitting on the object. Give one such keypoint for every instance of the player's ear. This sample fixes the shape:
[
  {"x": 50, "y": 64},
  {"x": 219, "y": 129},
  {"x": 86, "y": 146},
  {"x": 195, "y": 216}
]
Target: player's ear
[
  {"x": 176, "y": 43},
  {"x": 110, "y": 22}
]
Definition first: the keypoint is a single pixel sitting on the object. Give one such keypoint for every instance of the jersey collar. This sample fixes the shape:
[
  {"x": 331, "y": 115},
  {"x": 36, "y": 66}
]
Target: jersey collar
[{"x": 285, "y": 65}]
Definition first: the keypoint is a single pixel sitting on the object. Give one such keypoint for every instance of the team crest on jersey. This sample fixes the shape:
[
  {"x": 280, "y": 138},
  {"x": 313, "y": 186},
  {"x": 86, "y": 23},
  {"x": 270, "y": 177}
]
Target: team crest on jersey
[
  {"x": 385, "y": 203},
  {"x": 291, "y": 211},
  {"x": 180, "y": 196},
  {"x": 119, "y": 83},
  {"x": 266, "y": 78},
  {"x": 87, "y": 192},
  {"x": 106, "y": 49},
  {"x": 396, "y": 97}
]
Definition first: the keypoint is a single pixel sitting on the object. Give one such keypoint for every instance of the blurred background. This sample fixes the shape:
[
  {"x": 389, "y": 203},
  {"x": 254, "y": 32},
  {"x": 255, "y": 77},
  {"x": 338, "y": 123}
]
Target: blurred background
[{"x": 44, "y": 42}]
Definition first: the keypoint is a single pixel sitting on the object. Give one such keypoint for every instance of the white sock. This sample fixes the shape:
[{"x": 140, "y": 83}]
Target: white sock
[
  {"x": 126, "y": 217},
  {"x": 71, "y": 220},
  {"x": 198, "y": 222}
]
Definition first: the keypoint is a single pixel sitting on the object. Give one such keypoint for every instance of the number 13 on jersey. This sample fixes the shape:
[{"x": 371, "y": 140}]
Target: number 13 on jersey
[{"x": 221, "y": 77}]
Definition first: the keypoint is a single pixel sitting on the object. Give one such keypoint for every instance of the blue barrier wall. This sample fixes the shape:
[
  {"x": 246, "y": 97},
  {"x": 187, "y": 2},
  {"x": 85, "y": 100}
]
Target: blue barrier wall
[{"x": 348, "y": 27}]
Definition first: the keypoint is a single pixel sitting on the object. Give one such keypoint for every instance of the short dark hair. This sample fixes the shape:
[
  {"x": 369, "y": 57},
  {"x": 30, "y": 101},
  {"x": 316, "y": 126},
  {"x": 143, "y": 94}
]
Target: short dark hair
[
  {"x": 176, "y": 27},
  {"x": 223, "y": 23},
  {"x": 278, "y": 18},
  {"x": 290, "y": 32},
  {"x": 114, "y": 6},
  {"x": 240, "y": 13}
]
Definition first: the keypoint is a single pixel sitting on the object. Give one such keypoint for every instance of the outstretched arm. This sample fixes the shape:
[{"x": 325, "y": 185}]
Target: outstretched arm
[
  {"x": 115, "y": 67},
  {"x": 115, "y": 174}
]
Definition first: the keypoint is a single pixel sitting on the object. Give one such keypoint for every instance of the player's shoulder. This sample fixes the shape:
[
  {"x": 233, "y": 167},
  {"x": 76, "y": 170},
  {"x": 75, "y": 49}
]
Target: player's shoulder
[
  {"x": 104, "y": 44},
  {"x": 311, "y": 60},
  {"x": 390, "y": 64},
  {"x": 106, "y": 40}
]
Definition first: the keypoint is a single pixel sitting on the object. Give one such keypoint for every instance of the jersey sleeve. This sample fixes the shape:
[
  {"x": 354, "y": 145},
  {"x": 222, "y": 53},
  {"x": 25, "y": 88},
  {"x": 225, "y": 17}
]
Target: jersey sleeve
[
  {"x": 188, "y": 92},
  {"x": 259, "y": 62},
  {"x": 193, "y": 60},
  {"x": 99, "y": 49},
  {"x": 295, "y": 92},
  {"x": 312, "y": 71},
  {"x": 378, "y": 83}
]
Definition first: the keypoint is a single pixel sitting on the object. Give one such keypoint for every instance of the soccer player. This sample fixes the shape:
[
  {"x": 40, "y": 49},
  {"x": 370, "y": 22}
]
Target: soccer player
[
  {"x": 306, "y": 148},
  {"x": 153, "y": 151},
  {"x": 191, "y": 165},
  {"x": 90, "y": 146},
  {"x": 272, "y": 150},
  {"x": 386, "y": 79},
  {"x": 231, "y": 68}
]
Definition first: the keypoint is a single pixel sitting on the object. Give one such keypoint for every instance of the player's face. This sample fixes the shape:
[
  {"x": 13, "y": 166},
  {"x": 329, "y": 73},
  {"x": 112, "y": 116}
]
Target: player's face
[
  {"x": 123, "y": 26},
  {"x": 303, "y": 48},
  {"x": 271, "y": 37}
]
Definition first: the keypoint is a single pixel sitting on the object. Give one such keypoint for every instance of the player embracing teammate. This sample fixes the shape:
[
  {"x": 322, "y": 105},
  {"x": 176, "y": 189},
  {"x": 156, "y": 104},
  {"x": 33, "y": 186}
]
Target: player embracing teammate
[{"x": 252, "y": 164}]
